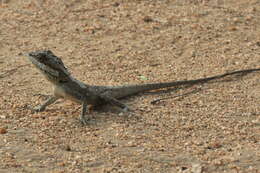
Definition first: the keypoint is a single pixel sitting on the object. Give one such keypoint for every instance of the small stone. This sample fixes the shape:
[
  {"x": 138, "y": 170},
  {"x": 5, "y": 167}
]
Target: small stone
[
  {"x": 147, "y": 19},
  {"x": 116, "y": 4},
  {"x": 196, "y": 168},
  {"x": 2, "y": 116},
  {"x": 3, "y": 131}
]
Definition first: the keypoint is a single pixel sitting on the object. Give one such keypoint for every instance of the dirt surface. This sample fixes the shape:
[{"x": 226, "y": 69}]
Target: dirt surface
[{"x": 106, "y": 42}]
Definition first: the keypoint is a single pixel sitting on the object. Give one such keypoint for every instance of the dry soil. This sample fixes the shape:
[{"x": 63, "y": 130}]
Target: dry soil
[{"x": 107, "y": 42}]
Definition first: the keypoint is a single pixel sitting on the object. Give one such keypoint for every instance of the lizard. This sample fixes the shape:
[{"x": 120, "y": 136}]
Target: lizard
[{"x": 68, "y": 87}]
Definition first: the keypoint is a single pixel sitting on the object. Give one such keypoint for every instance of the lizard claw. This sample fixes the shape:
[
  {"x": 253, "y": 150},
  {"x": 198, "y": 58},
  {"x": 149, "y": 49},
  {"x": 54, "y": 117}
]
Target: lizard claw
[{"x": 83, "y": 121}]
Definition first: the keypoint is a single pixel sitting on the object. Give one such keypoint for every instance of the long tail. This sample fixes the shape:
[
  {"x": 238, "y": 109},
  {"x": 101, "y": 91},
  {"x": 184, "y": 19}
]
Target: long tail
[{"x": 127, "y": 90}]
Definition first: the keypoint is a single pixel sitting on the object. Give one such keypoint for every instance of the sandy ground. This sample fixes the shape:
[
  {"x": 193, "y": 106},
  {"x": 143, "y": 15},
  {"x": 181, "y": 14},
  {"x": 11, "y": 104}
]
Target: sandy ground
[{"x": 106, "y": 42}]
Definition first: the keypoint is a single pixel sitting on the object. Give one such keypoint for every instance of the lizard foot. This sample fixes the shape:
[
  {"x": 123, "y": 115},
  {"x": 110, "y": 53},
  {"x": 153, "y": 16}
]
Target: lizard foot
[
  {"x": 84, "y": 120},
  {"x": 126, "y": 109},
  {"x": 38, "y": 108}
]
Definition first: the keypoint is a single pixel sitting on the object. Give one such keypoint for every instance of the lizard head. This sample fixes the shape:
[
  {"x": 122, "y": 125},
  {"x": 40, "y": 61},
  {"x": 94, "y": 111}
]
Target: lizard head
[{"x": 50, "y": 65}]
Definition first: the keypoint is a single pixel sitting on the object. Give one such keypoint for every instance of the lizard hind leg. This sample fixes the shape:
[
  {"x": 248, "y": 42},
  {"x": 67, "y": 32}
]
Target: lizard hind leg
[{"x": 115, "y": 102}]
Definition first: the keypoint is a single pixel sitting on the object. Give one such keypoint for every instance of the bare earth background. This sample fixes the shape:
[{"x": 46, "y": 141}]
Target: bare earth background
[{"x": 108, "y": 42}]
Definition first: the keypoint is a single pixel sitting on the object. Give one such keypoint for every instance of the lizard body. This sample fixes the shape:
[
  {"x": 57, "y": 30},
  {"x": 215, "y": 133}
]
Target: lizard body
[{"x": 66, "y": 86}]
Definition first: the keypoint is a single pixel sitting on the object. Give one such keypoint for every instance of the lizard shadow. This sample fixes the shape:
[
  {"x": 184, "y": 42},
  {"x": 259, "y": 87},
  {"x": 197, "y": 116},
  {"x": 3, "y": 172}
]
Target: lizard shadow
[{"x": 106, "y": 113}]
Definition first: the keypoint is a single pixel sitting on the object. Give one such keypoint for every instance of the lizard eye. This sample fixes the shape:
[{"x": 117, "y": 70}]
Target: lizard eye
[{"x": 31, "y": 54}]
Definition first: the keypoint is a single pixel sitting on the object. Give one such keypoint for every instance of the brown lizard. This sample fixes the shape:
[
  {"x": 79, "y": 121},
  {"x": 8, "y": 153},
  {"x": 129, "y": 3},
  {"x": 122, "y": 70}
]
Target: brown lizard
[{"x": 67, "y": 87}]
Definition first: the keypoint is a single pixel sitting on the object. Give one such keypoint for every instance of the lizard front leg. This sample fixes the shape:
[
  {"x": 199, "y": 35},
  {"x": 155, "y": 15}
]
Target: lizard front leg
[
  {"x": 42, "y": 107},
  {"x": 82, "y": 116}
]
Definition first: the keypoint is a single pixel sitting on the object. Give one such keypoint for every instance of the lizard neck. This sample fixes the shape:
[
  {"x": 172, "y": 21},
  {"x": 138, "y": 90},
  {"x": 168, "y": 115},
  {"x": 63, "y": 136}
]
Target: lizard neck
[{"x": 54, "y": 76}]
